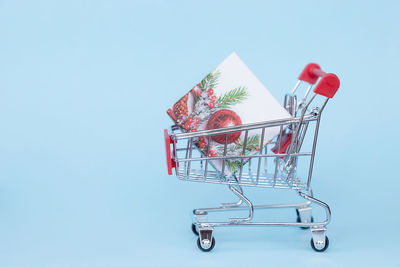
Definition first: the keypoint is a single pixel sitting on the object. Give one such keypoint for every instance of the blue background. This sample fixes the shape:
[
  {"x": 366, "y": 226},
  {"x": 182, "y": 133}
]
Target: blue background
[{"x": 84, "y": 86}]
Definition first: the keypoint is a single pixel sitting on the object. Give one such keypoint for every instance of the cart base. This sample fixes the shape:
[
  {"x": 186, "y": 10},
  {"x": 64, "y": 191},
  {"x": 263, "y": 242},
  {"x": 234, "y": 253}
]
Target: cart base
[{"x": 202, "y": 227}]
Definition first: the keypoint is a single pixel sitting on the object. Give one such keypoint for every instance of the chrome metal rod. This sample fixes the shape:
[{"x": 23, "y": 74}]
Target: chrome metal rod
[
  {"x": 279, "y": 151},
  {"x": 245, "y": 127},
  {"x": 295, "y": 87},
  {"x": 208, "y": 153},
  {"x": 224, "y": 162},
  {"x": 272, "y": 206},
  {"x": 232, "y": 205},
  {"x": 307, "y": 92},
  {"x": 296, "y": 224},
  {"x": 301, "y": 120},
  {"x": 320, "y": 203},
  {"x": 261, "y": 148},
  {"x": 310, "y": 170},
  {"x": 250, "y": 156},
  {"x": 247, "y": 201},
  {"x": 190, "y": 154},
  {"x": 301, "y": 139},
  {"x": 243, "y": 154}
]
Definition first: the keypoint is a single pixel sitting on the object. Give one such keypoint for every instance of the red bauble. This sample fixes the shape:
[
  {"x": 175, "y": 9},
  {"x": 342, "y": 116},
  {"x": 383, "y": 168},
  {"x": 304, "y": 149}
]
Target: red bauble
[{"x": 221, "y": 119}]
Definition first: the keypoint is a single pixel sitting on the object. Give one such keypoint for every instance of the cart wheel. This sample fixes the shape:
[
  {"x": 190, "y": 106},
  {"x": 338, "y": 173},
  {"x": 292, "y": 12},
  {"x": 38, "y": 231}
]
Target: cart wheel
[
  {"x": 206, "y": 249},
  {"x": 304, "y": 227},
  {"x": 322, "y": 249},
  {"x": 194, "y": 229}
]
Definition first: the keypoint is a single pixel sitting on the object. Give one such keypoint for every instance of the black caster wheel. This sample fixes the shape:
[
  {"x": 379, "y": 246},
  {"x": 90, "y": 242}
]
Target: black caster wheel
[
  {"x": 194, "y": 229},
  {"x": 299, "y": 220},
  {"x": 322, "y": 249},
  {"x": 206, "y": 249}
]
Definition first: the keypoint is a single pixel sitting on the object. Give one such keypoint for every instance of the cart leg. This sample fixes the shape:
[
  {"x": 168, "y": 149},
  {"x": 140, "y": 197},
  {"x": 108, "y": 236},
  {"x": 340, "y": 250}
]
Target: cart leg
[
  {"x": 304, "y": 215},
  {"x": 206, "y": 241},
  {"x": 239, "y": 193},
  {"x": 198, "y": 213},
  {"x": 320, "y": 203},
  {"x": 237, "y": 204},
  {"x": 200, "y": 216},
  {"x": 319, "y": 240}
]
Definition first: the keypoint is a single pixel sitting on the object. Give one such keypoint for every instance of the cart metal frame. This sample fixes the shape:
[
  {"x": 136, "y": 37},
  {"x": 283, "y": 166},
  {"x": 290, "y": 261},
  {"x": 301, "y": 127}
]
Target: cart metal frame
[{"x": 283, "y": 174}]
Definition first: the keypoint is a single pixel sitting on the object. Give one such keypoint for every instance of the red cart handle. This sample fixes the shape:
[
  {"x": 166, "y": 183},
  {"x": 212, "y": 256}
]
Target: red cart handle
[
  {"x": 327, "y": 86},
  {"x": 170, "y": 161}
]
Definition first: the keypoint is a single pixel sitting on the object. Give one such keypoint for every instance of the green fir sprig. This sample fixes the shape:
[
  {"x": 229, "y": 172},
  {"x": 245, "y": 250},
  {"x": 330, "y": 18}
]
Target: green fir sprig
[
  {"x": 232, "y": 97},
  {"x": 233, "y": 165},
  {"x": 253, "y": 143},
  {"x": 210, "y": 81}
]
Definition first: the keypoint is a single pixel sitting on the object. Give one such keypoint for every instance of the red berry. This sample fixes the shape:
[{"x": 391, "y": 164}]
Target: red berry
[
  {"x": 211, "y": 104},
  {"x": 187, "y": 126},
  {"x": 213, "y": 98},
  {"x": 212, "y": 152},
  {"x": 190, "y": 120},
  {"x": 202, "y": 143},
  {"x": 210, "y": 92},
  {"x": 194, "y": 130},
  {"x": 197, "y": 120}
]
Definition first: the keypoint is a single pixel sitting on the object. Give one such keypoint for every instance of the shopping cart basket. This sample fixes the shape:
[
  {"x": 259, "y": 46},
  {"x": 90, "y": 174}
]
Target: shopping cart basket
[{"x": 276, "y": 164}]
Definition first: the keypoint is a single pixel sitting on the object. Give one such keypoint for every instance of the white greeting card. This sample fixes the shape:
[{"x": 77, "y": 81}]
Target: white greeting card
[{"x": 230, "y": 95}]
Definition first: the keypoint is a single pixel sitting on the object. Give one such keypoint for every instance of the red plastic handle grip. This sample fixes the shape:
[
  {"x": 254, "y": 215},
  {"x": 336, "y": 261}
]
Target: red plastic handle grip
[
  {"x": 170, "y": 162},
  {"x": 327, "y": 86},
  {"x": 309, "y": 74}
]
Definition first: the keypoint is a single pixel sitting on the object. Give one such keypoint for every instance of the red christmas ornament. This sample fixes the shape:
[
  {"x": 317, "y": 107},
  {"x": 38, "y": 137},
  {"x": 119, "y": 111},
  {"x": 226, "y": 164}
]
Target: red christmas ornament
[{"x": 221, "y": 119}]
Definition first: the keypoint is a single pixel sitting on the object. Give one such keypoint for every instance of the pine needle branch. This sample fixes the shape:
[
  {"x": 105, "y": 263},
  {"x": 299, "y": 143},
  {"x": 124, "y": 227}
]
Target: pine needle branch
[
  {"x": 253, "y": 143},
  {"x": 232, "y": 97},
  {"x": 233, "y": 165},
  {"x": 210, "y": 81},
  {"x": 214, "y": 79}
]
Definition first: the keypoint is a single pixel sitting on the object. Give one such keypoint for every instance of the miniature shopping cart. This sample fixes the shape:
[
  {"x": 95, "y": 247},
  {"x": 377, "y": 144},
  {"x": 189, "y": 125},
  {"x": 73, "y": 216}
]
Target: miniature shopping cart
[{"x": 285, "y": 162}]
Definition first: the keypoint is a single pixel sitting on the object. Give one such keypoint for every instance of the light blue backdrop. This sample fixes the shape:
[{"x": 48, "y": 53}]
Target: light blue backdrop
[{"x": 84, "y": 86}]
